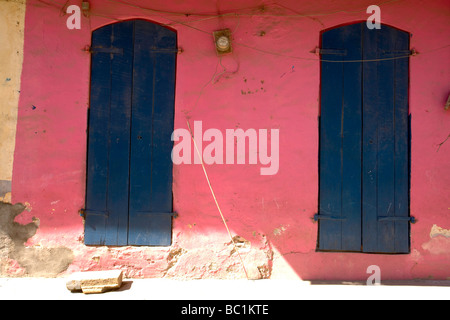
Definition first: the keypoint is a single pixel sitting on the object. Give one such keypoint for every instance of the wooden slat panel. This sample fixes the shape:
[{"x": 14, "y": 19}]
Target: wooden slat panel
[
  {"x": 98, "y": 149},
  {"x": 402, "y": 141},
  {"x": 383, "y": 151},
  {"x": 119, "y": 136},
  {"x": 351, "y": 140},
  {"x": 370, "y": 143},
  {"x": 152, "y": 126},
  {"x": 340, "y": 141},
  {"x": 386, "y": 138},
  {"x": 109, "y": 132},
  {"x": 330, "y": 145}
]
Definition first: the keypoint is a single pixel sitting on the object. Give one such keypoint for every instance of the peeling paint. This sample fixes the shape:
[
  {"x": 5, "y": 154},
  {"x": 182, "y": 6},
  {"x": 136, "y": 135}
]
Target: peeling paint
[
  {"x": 35, "y": 261},
  {"x": 438, "y": 246},
  {"x": 5, "y": 187},
  {"x": 173, "y": 257},
  {"x": 6, "y": 198},
  {"x": 241, "y": 244},
  {"x": 438, "y": 231},
  {"x": 278, "y": 231}
]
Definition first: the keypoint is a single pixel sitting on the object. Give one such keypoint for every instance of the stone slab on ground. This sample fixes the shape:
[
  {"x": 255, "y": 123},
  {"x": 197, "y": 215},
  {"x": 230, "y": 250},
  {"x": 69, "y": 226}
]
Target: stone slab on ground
[{"x": 95, "y": 281}]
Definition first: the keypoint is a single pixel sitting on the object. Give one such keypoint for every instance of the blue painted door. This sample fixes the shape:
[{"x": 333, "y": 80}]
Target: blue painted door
[
  {"x": 129, "y": 168},
  {"x": 364, "y": 140}
]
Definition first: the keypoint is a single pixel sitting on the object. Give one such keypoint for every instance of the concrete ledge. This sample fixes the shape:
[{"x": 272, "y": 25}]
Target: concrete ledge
[
  {"x": 415, "y": 283},
  {"x": 165, "y": 289}
]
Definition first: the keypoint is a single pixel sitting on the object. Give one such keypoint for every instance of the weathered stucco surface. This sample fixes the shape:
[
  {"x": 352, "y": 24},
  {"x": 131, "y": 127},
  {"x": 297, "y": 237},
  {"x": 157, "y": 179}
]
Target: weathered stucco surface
[
  {"x": 12, "y": 23},
  {"x": 271, "y": 80},
  {"x": 15, "y": 257}
]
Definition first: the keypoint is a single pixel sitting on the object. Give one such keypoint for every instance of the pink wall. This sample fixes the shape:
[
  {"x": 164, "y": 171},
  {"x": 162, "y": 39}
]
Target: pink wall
[{"x": 272, "y": 212}]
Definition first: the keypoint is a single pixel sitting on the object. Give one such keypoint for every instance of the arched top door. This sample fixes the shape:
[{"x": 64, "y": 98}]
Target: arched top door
[
  {"x": 364, "y": 140},
  {"x": 158, "y": 35},
  {"x": 362, "y": 43},
  {"x": 129, "y": 167}
]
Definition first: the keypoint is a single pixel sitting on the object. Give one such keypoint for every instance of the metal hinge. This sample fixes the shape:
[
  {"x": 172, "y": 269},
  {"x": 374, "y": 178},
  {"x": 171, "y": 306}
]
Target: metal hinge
[
  {"x": 396, "y": 219},
  {"x": 150, "y": 213},
  {"x": 120, "y": 50},
  {"x": 164, "y": 50},
  {"x": 104, "y": 50},
  {"x": 83, "y": 212},
  {"x": 318, "y": 217},
  {"x": 400, "y": 53},
  {"x": 339, "y": 52},
  {"x": 343, "y": 52}
]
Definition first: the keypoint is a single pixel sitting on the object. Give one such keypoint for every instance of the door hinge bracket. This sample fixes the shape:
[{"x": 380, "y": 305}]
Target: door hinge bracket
[
  {"x": 166, "y": 50},
  {"x": 111, "y": 50},
  {"x": 398, "y": 219},
  {"x": 84, "y": 212},
  {"x": 338, "y": 52},
  {"x": 150, "y": 213},
  {"x": 400, "y": 53},
  {"x": 318, "y": 217}
]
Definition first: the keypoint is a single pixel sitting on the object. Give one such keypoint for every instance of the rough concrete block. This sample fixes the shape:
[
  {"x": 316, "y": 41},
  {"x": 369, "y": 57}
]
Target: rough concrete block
[{"x": 95, "y": 281}]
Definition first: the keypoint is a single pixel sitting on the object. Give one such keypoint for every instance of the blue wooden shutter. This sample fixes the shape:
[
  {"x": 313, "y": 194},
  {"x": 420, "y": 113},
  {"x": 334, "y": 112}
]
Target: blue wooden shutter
[
  {"x": 129, "y": 169},
  {"x": 109, "y": 135},
  {"x": 364, "y": 141},
  {"x": 340, "y": 140},
  {"x": 152, "y": 126},
  {"x": 385, "y": 165}
]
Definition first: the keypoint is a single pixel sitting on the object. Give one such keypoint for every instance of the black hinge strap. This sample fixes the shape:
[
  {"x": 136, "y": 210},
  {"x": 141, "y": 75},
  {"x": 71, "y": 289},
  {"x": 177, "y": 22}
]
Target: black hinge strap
[
  {"x": 120, "y": 50},
  {"x": 151, "y": 213},
  {"x": 164, "y": 50},
  {"x": 84, "y": 212},
  {"x": 106, "y": 50},
  {"x": 318, "y": 217},
  {"x": 396, "y": 219},
  {"x": 400, "y": 53},
  {"x": 337, "y": 52}
]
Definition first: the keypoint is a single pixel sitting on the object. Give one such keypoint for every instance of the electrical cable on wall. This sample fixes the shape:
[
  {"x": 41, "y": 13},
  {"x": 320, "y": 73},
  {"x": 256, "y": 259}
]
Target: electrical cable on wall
[
  {"x": 259, "y": 8},
  {"x": 215, "y": 200},
  {"x": 238, "y": 15},
  {"x": 235, "y": 12}
]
